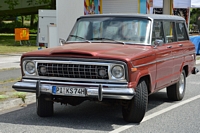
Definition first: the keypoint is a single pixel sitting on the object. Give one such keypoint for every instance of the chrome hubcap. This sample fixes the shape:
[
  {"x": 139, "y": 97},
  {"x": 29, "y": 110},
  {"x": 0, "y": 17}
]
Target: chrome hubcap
[{"x": 181, "y": 84}]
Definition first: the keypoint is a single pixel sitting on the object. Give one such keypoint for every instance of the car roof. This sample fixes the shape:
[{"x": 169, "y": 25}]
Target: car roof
[{"x": 148, "y": 16}]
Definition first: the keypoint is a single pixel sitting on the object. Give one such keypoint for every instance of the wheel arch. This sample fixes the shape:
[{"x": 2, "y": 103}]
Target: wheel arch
[
  {"x": 147, "y": 79},
  {"x": 186, "y": 69}
]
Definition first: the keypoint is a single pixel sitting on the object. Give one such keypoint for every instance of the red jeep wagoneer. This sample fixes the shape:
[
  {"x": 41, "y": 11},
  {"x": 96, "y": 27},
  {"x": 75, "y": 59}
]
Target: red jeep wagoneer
[{"x": 112, "y": 57}]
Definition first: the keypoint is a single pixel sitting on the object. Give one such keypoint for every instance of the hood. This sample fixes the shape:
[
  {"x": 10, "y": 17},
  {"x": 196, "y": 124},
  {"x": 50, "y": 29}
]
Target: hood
[{"x": 95, "y": 50}]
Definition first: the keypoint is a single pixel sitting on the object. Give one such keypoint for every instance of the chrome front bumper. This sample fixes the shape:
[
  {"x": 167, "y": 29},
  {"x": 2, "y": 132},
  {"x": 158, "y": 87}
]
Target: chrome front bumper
[{"x": 99, "y": 91}]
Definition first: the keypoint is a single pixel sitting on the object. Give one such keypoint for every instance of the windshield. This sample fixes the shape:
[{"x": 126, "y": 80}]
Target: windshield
[{"x": 118, "y": 29}]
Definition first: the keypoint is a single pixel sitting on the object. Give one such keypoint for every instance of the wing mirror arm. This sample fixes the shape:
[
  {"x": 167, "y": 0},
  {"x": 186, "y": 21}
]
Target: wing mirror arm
[
  {"x": 158, "y": 42},
  {"x": 62, "y": 41}
]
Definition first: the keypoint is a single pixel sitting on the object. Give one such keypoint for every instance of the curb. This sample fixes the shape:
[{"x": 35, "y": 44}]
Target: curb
[
  {"x": 197, "y": 61},
  {"x": 30, "y": 98}
]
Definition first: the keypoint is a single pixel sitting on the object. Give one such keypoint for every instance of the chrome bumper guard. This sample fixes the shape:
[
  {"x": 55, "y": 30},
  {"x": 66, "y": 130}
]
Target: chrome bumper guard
[{"x": 98, "y": 91}]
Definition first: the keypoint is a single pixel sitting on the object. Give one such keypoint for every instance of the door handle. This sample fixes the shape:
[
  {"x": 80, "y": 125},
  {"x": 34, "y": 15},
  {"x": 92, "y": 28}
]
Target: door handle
[
  {"x": 180, "y": 45},
  {"x": 169, "y": 46}
]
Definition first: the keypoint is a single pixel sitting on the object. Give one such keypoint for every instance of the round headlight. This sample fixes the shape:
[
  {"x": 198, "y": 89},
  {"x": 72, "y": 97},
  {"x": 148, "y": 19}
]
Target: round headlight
[
  {"x": 43, "y": 70},
  {"x": 117, "y": 71},
  {"x": 102, "y": 72},
  {"x": 30, "y": 67}
]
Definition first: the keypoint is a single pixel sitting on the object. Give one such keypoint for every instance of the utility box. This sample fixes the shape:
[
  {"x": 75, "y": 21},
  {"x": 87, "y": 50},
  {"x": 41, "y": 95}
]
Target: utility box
[
  {"x": 52, "y": 35},
  {"x": 47, "y": 18}
]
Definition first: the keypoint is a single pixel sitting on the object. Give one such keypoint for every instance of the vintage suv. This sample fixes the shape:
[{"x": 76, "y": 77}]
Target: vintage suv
[{"x": 112, "y": 57}]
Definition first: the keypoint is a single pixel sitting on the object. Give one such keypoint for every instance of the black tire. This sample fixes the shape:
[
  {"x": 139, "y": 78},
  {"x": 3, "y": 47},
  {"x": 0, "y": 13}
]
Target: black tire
[
  {"x": 136, "y": 109},
  {"x": 44, "y": 105},
  {"x": 176, "y": 91}
]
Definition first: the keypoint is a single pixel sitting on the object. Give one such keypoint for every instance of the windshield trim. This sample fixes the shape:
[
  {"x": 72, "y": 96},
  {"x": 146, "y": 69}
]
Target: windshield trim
[{"x": 112, "y": 42}]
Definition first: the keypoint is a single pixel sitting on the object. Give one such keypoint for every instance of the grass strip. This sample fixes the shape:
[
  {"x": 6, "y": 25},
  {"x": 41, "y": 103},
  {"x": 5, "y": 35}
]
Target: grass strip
[{"x": 10, "y": 80}]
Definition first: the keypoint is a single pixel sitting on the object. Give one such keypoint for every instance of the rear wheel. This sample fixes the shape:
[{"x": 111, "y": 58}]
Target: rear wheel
[
  {"x": 176, "y": 91},
  {"x": 136, "y": 108},
  {"x": 44, "y": 106}
]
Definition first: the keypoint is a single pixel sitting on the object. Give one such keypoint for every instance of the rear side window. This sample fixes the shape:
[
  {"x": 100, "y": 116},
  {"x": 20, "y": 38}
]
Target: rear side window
[
  {"x": 181, "y": 31},
  {"x": 169, "y": 29}
]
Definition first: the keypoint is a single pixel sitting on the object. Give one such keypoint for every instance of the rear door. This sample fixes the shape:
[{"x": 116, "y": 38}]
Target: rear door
[{"x": 180, "y": 49}]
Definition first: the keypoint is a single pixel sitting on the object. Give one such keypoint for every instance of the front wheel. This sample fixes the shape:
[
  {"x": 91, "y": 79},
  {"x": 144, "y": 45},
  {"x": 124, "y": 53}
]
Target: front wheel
[
  {"x": 176, "y": 91},
  {"x": 136, "y": 108},
  {"x": 44, "y": 106}
]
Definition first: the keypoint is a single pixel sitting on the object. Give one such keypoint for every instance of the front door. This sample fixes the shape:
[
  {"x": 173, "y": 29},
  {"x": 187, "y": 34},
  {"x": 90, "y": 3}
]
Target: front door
[{"x": 164, "y": 58}]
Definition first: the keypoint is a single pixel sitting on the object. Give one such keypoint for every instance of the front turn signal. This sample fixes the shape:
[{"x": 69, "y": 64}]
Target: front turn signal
[{"x": 133, "y": 69}]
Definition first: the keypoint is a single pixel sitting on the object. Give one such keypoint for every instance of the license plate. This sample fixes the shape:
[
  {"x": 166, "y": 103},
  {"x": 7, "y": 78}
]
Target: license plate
[{"x": 72, "y": 91}]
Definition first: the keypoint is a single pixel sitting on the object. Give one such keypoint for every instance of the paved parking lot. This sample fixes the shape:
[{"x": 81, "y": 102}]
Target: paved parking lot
[{"x": 10, "y": 61}]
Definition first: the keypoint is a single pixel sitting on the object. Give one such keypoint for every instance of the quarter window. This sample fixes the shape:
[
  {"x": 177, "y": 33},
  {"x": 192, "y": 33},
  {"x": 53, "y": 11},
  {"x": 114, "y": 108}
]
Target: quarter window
[{"x": 181, "y": 31}]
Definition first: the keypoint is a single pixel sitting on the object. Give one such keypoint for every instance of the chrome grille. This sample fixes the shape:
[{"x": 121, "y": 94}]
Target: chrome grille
[{"x": 73, "y": 70}]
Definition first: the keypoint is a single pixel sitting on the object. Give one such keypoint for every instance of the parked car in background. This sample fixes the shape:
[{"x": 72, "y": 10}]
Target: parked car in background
[{"x": 112, "y": 57}]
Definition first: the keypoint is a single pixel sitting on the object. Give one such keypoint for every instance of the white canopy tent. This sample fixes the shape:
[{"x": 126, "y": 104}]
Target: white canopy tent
[
  {"x": 195, "y": 3},
  {"x": 178, "y": 3}
]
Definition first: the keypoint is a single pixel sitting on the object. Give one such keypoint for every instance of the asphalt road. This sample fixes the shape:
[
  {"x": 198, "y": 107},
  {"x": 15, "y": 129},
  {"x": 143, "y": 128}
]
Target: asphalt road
[{"x": 162, "y": 116}]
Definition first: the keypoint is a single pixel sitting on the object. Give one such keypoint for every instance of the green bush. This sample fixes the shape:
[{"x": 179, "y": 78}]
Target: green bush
[
  {"x": 10, "y": 27},
  {"x": 33, "y": 31}
]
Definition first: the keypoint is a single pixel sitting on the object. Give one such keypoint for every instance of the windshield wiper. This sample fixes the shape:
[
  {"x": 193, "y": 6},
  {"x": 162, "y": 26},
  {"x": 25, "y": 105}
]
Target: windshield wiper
[
  {"x": 109, "y": 40},
  {"x": 80, "y": 38}
]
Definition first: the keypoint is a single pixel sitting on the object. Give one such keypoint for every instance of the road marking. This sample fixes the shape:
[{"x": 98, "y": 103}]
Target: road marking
[
  {"x": 196, "y": 83},
  {"x": 146, "y": 118}
]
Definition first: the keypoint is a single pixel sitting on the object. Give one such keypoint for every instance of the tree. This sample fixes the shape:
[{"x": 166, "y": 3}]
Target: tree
[
  {"x": 11, "y": 3},
  {"x": 51, "y": 3},
  {"x": 48, "y": 4},
  {"x": 194, "y": 13}
]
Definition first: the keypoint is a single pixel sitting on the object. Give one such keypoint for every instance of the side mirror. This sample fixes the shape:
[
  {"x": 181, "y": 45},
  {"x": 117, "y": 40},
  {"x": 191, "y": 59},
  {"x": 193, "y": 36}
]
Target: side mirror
[
  {"x": 158, "y": 42},
  {"x": 62, "y": 41}
]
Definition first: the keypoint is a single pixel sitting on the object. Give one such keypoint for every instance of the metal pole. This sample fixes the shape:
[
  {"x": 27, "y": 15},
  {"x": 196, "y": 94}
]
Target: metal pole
[
  {"x": 168, "y": 7},
  {"x": 189, "y": 19}
]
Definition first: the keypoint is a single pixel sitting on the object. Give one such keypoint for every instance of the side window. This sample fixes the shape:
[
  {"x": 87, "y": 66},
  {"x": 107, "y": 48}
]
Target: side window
[
  {"x": 157, "y": 33},
  {"x": 181, "y": 31},
  {"x": 169, "y": 29}
]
